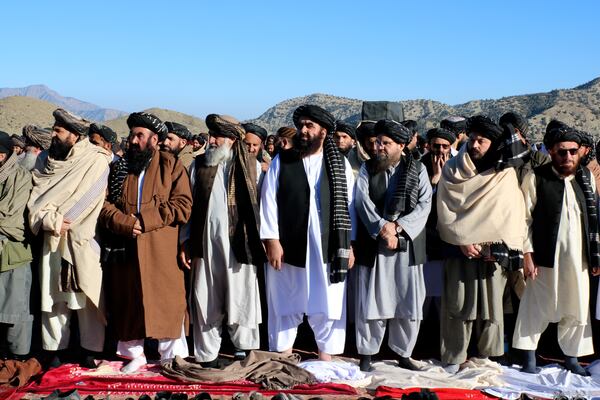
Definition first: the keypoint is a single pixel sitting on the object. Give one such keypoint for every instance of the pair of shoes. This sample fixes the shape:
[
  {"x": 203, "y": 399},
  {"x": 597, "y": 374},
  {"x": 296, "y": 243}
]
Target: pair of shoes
[
  {"x": 166, "y": 395},
  {"x": 202, "y": 396}
]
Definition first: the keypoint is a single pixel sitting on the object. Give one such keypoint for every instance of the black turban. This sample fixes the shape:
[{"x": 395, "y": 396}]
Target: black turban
[
  {"x": 587, "y": 140},
  {"x": 316, "y": 114},
  {"x": 442, "y": 134},
  {"x": 485, "y": 127},
  {"x": 257, "y": 130},
  {"x": 71, "y": 122},
  {"x": 394, "y": 130},
  {"x": 104, "y": 131},
  {"x": 225, "y": 126},
  {"x": 365, "y": 129},
  {"x": 348, "y": 129},
  {"x": 561, "y": 133},
  {"x": 38, "y": 137},
  {"x": 411, "y": 125},
  {"x": 18, "y": 141},
  {"x": 6, "y": 143},
  {"x": 179, "y": 130},
  {"x": 454, "y": 124},
  {"x": 516, "y": 120},
  {"x": 555, "y": 124},
  {"x": 148, "y": 121}
]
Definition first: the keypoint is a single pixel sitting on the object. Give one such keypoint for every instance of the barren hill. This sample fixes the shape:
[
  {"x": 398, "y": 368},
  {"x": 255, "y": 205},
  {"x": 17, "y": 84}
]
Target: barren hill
[
  {"x": 18, "y": 111},
  {"x": 194, "y": 124}
]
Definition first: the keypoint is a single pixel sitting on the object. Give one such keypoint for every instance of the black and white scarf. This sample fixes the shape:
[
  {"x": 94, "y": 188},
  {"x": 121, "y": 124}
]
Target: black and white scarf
[
  {"x": 406, "y": 194},
  {"x": 592, "y": 212},
  {"x": 513, "y": 152},
  {"x": 116, "y": 177},
  {"x": 341, "y": 228}
]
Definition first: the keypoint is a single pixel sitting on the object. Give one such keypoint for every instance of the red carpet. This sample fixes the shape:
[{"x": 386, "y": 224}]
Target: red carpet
[
  {"x": 107, "y": 380},
  {"x": 442, "y": 393}
]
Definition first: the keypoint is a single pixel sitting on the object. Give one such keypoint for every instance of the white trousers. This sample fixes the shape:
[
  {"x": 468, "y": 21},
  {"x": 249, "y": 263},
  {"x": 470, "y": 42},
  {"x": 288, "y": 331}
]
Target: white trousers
[
  {"x": 330, "y": 334},
  {"x": 167, "y": 348},
  {"x": 56, "y": 332},
  {"x": 207, "y": 339}
]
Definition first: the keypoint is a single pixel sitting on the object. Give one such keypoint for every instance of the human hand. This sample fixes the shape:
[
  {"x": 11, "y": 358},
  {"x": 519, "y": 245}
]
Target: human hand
[{"x": 274, "y": 253}]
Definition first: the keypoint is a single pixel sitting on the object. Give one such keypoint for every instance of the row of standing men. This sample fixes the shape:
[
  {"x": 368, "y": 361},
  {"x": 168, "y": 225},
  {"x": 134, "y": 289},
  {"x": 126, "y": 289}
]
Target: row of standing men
[{"x": 335, "y": 236}]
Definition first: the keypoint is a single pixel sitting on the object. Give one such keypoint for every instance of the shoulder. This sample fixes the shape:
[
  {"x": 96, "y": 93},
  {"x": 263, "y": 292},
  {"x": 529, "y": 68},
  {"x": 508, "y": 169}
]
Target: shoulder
[{"x": 539, "y": 158}]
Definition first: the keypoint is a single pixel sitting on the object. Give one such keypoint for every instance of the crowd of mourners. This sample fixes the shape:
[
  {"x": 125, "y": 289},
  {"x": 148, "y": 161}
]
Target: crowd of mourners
[{"x": 354, "y": 229}]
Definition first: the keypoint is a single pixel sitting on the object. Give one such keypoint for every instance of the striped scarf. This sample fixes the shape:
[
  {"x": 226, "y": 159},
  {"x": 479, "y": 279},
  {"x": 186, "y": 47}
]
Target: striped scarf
[
  {"x": 117, "y": 176},
  {"x": 590, "y": 200},
  {"x": 513, "y": 152},
  {"x": 339, "y": 244},
  {"x": 7, "y": 168},
  {"x": 406, "y": 194}
]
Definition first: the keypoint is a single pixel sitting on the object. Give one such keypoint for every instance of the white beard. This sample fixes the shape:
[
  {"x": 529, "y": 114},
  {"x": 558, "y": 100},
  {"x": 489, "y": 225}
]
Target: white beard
[{"x": 216, "y": 155}]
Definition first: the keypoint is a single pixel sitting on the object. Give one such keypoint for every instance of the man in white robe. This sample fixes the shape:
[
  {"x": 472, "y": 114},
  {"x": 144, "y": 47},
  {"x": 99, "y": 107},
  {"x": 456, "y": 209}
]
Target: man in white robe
[
  {"x": 390, "y": 252},
  {"x": 224, "y": 268},
  {"x": 302, "y": 276},
  {"x": 64, "y": 206},
  {"x": 561, "y": 210}
]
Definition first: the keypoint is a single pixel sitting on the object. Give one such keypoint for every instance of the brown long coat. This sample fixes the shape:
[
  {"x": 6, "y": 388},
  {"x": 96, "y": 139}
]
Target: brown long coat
[{"x": 146, "y": 294}]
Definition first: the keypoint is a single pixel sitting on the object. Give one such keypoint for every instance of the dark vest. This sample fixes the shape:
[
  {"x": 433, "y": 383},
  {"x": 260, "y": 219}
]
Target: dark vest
[
  {"x": 250, "y": 252},
  {"x": 203, "y": 182},
  {"x": 293, "y": 204},
  {"x": 550, "y": 190},
  {"x": 366, "y": 247}
]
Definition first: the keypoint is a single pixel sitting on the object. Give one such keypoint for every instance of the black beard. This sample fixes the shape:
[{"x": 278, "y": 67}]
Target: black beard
[
  {"x": 305, "y": 147},
  {"x": 59, "y": 150},
  {"x": 138, "y": 160}
]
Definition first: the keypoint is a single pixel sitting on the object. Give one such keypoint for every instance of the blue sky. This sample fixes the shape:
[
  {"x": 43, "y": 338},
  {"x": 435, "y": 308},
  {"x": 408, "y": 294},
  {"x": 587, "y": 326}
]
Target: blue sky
[{"x": 241, "y": 58}]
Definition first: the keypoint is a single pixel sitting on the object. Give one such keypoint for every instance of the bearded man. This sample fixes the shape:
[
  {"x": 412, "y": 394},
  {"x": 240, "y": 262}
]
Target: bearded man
[
  {"x": 481, "y": 215},
  {"x": 37, "y": 142},
  {"x": 149, "y": 198},
  {"x": 15, "y": 253},
  {"x": 103, "y": 136},
  {"x": 178, "y": 143},
  {"x": 65, "y": 202},
  {"x": 224, "y": 248},
  {"x": 345, "y": 139},
  {"x": 306, "y": 228},
  {"x": 562, "y": 246},
  {"x": 393, "y": 200}
]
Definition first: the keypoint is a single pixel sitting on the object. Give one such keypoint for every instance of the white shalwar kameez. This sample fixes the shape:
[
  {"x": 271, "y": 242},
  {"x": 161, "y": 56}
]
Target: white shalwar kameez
[
  {"x": 294, "y": 292},
  {"x": 559, "y": 294}
]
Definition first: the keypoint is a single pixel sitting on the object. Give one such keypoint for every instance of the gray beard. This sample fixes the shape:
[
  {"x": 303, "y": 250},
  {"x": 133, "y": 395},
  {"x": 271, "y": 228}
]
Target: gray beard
[
  {"x": 28, "y": 161},
  {"x": 216, "y": 155}
]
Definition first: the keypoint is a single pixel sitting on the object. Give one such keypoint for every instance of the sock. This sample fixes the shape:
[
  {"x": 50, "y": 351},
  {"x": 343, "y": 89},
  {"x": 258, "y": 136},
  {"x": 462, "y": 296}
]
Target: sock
[
  {"x": 572, "y": 365},
  {"x": 406, "y": 363},
  {"x": 365, "y": 363},
  {"x": 529, "y": 363},
  {"x": 134, "y": 365}
]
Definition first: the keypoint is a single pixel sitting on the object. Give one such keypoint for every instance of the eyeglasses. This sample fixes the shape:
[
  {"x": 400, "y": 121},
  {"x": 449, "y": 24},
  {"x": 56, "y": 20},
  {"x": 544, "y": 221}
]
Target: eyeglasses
[
  {"x": 440, "y": 146},
  {"x": 563, "y": 152}
]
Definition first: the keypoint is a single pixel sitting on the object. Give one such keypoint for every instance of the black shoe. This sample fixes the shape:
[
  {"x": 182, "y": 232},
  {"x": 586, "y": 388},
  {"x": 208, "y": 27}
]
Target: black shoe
[
  {"x": 365, "y": 364},
  {"x": 202, "y": 396},
  {"x": 52, "y": 360},
  {"x": 88, "y": 362},
  {"x": 529, "y": 362},
  {"x": 164, "y": 395},
  {"x": 145, "y": 397},
  {"x": 179, "y": 396},
  {"x": 572, "y": 365}
]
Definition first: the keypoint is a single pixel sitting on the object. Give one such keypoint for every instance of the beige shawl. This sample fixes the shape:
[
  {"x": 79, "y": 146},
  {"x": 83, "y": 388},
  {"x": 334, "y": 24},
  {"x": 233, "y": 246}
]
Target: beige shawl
[
  {"x": 479, "y": 208},
  {"x": 73, "y": 189}
]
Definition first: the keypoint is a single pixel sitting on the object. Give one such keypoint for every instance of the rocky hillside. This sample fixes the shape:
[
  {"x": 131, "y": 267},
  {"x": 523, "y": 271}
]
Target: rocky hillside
[{"x": 579, "y": 106}]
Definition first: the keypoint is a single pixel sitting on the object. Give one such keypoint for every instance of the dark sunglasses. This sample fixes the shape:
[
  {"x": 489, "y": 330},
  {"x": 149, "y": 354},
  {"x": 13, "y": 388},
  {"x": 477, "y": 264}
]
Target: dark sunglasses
[
  {"x": 440, "y": 146},
  {"x": 563, "y": 152}
]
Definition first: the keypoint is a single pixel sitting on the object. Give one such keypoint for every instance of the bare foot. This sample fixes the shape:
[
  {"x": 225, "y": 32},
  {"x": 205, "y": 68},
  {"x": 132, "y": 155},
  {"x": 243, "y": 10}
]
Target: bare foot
[
  {"x": 324, "y": 356},
  {"x": 288, "y": 351}
]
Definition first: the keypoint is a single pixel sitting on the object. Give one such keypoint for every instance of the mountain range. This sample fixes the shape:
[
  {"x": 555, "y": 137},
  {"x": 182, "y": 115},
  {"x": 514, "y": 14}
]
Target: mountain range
[
  {"x": 82, "y": 108},
  {"x": 578, "y": 106}
]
